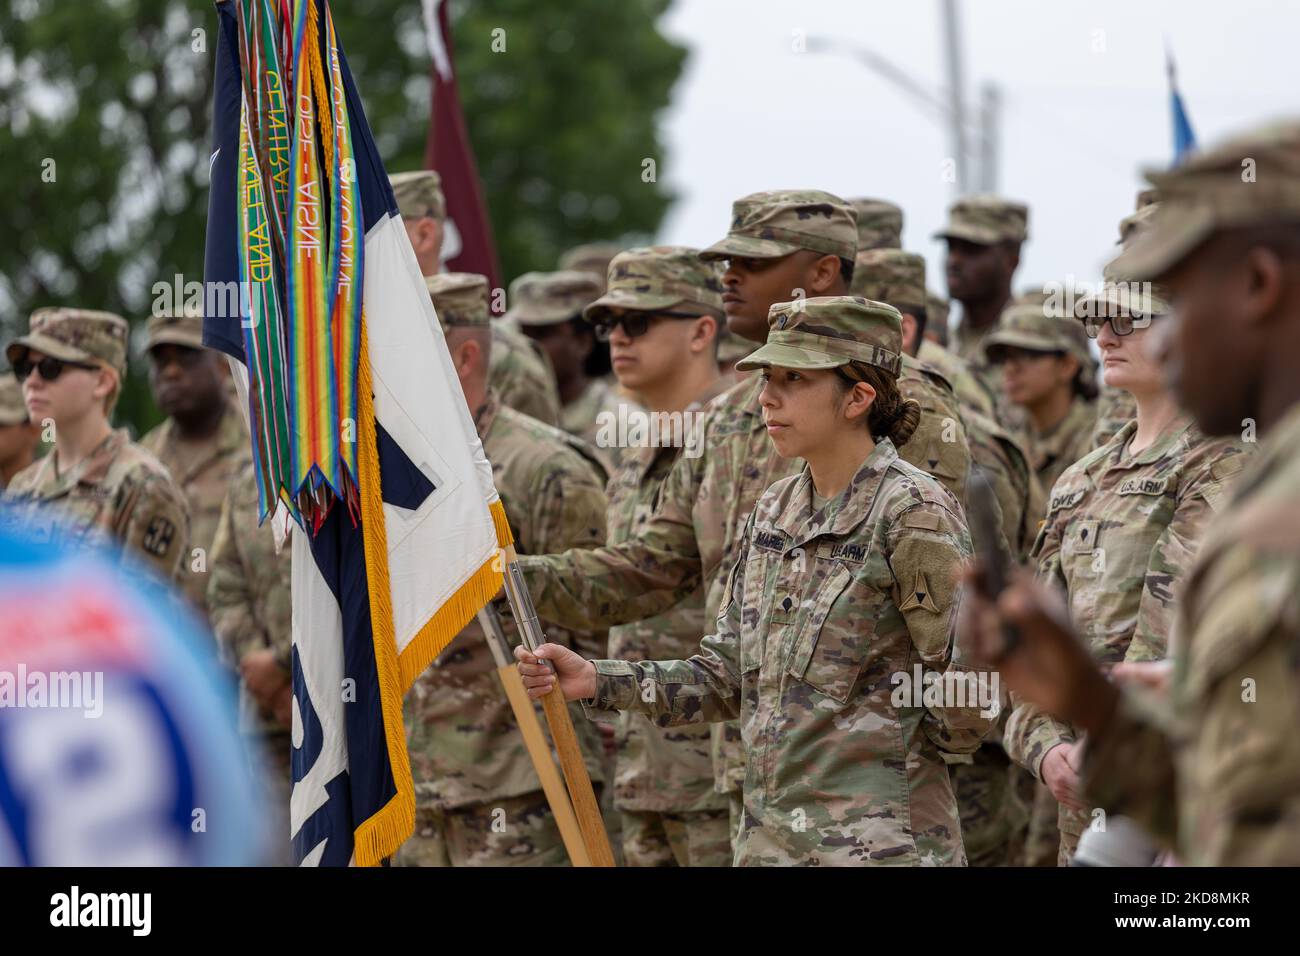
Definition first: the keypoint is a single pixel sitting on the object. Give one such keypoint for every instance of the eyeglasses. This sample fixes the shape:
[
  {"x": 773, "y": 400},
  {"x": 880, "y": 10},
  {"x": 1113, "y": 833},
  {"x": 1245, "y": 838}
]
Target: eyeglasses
[
  {"x": 1121, "y": 325},
  {"x": 49, "y": 367},
  {"x": 635, "y": 324}
]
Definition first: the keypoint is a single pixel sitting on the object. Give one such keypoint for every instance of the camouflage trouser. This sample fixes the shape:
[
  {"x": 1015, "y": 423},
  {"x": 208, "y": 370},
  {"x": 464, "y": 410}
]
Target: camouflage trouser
[
  {"x": 676, "y": 839},
  {"x": 735, "y": 815},
  {"x": 1044, "y": 839},
  {"x": 272, "y": 774},
  {"x": 994, "y": 816},
  {"x": 515, "y": 831}
]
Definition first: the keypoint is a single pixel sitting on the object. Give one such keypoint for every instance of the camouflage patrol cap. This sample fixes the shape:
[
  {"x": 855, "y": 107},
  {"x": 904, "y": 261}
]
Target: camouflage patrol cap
[
  {"x": 893, "y": 276},
  {"x": 1252, "y": 179},
  {"x": 75, "y": 335},
  {"x": 654, "y": 278},
  {"x": 986, "y": 219},
  {"x": 1036, "y": 328},
  {"x": 419, "y": 194},
  {"x": 459, "y": 298},
  {"x": 830, "y": 331},
  {"x": 170, "y": 328},
  {"x": 771, "y": 224},
  {"x": 732, "y": 348},
  {"x": 1135, "y": 299},
  {"x": 13, "y": 410},
  {"x": 593, "y": 257},
  {"x": 880, "y": 224},
  {"x": 547, "y": 298}
]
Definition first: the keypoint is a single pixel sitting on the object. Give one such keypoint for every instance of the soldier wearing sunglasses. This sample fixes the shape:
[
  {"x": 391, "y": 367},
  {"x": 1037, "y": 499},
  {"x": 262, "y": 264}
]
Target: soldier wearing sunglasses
[
  {"x": 95, "y": 486},
  {"x": 203, "y": 441}
]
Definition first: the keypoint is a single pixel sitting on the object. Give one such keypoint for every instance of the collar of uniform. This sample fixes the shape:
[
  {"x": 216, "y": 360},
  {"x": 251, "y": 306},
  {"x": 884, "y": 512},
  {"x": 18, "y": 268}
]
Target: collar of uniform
[
  {"x": 90, "y": 470},
  {"x": 1174, "y": 435},
  {"x": 487, "y": 413},
  {"x": 1052, "y": 442},
  {"x": 230, "y": 437},
  {"x": 843, "y": 513},
  {"x": 644, "y": 459}
]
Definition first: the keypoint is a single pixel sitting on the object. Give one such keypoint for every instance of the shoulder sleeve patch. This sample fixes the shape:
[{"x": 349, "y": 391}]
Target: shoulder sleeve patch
[
  {"x": 927, "y": 520},
  {"x": 158, "y": 536}
]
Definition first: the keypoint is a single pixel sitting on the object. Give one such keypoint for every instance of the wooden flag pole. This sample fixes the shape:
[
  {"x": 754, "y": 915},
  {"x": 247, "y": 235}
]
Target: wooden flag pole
[
  {"x": 538, "y": 749},
  {"x": 557, "y": 717}
]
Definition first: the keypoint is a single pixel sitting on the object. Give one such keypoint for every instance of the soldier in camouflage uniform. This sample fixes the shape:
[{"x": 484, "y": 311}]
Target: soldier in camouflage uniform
[
  {"x": 1048, "y": 371},
  {"x": 520, "y": 370},
  {"x": 843, "y": 581},
  {"x": 984, "y": 235},
  {"x": 1121, "y": 531},
  {"x": 987, "y": 784},
  {"x": 1211, "y": 766},
  {"x": 250, "y": 610},
  {"x": 203, "y": 441},
  {"x": 660, "y": 314},
  {"x": 593, "y": 257},
  {"x": 880, "y": 224},
  {"x": 548, "y": 306},
  {"x": 478, "y": 799},
  {"x": 19, "y": 435},
  {"x": 96, "y": 486},
  {"x": 778, "y": 242}
]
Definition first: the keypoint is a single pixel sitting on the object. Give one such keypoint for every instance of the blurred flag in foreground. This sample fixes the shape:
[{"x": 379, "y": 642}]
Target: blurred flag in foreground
[
  {"x": 1184, "y": 138},
  {"x": 360, "y": 431}
]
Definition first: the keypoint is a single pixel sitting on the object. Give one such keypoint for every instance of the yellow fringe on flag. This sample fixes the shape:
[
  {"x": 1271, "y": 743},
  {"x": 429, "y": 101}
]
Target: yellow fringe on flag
[
  {"x": 385, "y": 831},
  {"x": 455, "y": 613}
]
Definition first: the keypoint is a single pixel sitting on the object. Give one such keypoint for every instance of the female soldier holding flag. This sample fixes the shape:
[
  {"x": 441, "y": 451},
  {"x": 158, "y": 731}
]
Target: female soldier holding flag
[{"x": 841, "y": 596}]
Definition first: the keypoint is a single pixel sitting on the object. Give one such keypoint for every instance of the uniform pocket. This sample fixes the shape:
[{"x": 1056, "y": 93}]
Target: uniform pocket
[{"x": 832, "y": 643}]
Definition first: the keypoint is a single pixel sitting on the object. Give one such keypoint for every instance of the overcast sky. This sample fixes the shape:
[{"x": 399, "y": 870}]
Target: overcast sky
[{"x": 1085, "y": 106}]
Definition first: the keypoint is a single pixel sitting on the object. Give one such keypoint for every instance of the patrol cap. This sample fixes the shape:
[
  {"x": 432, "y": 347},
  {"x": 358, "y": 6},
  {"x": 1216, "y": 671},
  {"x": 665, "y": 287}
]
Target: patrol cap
[
  {"x": 419, "y": 194},
  {"x": 590, "y": 257},
  {"x": 830, "y": 331},
  {"x": 732, "y": 348},
  {"x": 771, "y": 224},
  {"x": 893, "y": 276},
  {"x": 459, "y": 298},
  {"x": 655, "y": 278},
  {"x": 170, "y": 328},
  {"x": 548, "y": 298},
  {"x": 1250, "y": 180},
  {"x": 1034, "y": 328},
  {"x": 74, "y": 335},
  {"x": 13, "y": 410},
  {"x": 880, "y": 224},
  {"x": 986, "y": 219},
  {"x": 1124, "y": 298}
]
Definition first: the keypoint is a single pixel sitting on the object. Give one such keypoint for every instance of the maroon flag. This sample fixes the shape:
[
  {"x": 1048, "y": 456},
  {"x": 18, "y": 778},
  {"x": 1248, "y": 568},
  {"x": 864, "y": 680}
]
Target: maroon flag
[{"x": 467, "y": 245}]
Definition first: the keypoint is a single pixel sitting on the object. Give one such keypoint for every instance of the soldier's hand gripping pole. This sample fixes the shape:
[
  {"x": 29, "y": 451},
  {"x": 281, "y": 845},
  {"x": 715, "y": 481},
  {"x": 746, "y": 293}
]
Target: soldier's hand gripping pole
[
  {"x": 538, "y": 749},
  {"x": 557, "y": 717}
]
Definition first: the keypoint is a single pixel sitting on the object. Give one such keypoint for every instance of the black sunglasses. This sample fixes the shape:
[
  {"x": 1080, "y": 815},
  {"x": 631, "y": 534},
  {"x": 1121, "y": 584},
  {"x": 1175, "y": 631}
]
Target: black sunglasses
[
  {"x": 1121, "y": 325},
  {"x": 49, "y": 367},
  {"x": 635, "y": 324}
]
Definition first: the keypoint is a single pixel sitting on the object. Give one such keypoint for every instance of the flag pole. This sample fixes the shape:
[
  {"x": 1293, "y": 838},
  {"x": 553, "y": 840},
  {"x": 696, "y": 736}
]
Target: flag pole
[
  {"x": 557, "y": 717},
  {"x": 538, "y": 750}
]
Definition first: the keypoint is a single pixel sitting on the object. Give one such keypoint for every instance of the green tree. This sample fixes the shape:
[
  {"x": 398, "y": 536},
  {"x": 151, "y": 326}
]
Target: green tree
[{"x": 105, "y": 116}]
